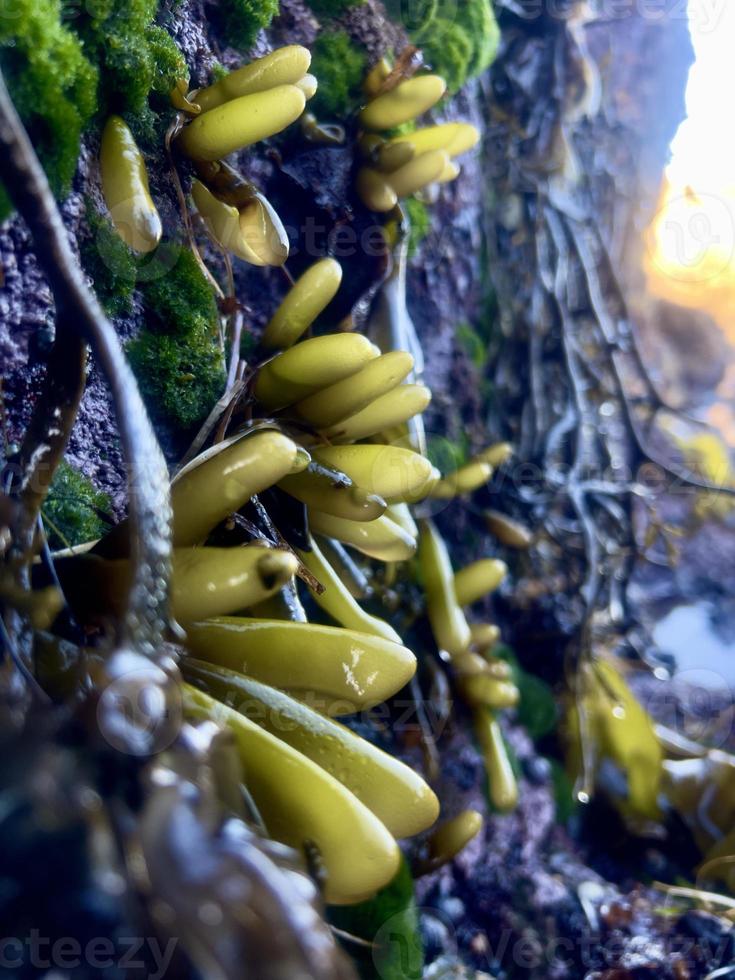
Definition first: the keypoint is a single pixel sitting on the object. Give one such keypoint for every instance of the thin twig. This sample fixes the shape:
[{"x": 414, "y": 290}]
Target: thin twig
[{"x": 146, "y": 615}]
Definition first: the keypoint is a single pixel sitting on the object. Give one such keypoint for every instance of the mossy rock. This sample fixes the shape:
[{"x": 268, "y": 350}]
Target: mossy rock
[
  {"x": 64, "y": 72},
  {"x": 52, "y": 83},
  {"x": 177, "y": 357},
  {"x": 243, "y": 19},
  {"x": 459, "y": 39},
  {"x": 340, "y": 66}
]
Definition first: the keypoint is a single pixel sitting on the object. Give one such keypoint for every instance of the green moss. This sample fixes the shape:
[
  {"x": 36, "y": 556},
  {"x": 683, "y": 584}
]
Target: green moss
[
  {"x": 110, "y": 264},
  {"x": 242, "y": 19},
  {"x": 413, "y": 15},
  {"x": 52, "y": 84},
  {"x": 481, "y": 26},
  {"x": 459, "y": 40},
  {"x": 137, "y": 59},
  {"x": 420, "y": 222},
  {"x": 180, "y": 377},
  {"x": 218, "y": 71},
  {"x": 181, "y": 301},
  {"x": 177, "y": 358},
  {"x": 340, "y": 67},
  {"x": 447, "y": 455},
  {"x": 134, "y": 55},
  {"x": 473, "y": 344},
  {"x": 74, "y": 510},
  {"x": 449, "y": 50},
  {"x": 65, "y": 62},
  {"x": 329, "y": 9}
]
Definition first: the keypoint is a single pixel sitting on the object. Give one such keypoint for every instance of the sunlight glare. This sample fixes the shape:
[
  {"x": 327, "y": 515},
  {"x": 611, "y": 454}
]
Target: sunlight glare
[{"x": 691, "y": 242}]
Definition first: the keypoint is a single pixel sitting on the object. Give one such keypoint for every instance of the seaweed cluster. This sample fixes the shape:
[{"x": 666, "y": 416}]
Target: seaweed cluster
[
  {"x": 321, "y": 447},
  {"x": 310, "y": 509},
  {"x": 338, "y": 418},
  {"x": 419, "y": 160}
]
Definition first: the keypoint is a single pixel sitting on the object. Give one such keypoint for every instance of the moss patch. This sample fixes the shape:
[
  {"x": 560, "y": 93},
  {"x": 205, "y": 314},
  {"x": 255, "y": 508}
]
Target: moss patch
[
  {"x": 242, "y": 19},
  {"x": 135, "y": 56},
  {"x": 448, "y": 49},
  {"x": 329, "y": 9},
  {"x": 340, "y": 67},
  {"x": 110, "y": 264},
  {"x": 181, "y": 299},
  {"x": 176, "y": 357},
  {"x": 136, "y": 59},
  {"x": 74, "y": 510},
  {"x": 66, "y": 65},
  {"x": 52, "y": 84},
  {"x": 419, "y": 220},
  {"x": 459, "y": 40},
  {"x": 180, "y": 377}
]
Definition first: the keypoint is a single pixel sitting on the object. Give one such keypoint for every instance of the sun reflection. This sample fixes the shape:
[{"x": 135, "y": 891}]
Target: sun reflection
[
  {"x": 690, "y": 245},
  {"x": 691, "y": 253}
]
